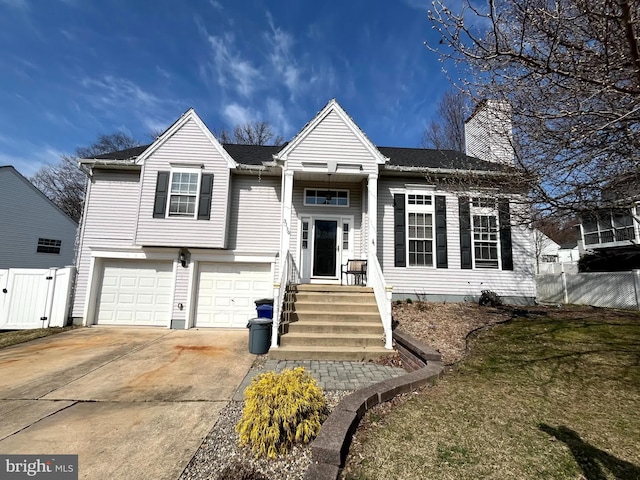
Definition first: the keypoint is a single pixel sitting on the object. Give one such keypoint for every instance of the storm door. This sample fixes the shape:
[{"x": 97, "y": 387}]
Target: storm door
[{"x": 325, "y": 249}]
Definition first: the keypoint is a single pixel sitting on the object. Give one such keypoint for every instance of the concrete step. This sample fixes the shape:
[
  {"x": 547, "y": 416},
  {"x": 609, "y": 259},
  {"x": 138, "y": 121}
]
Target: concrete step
[
  {"x": 310, "y": 287},
  {"x": 324, "y": 297},
  {"x": 341, "y": 307},
  {"x": 352, "y": 354},
  {"x": 336, "y": 316},
  {"x": 332, "y": 339},
  {"x": 319, "y": 326}
]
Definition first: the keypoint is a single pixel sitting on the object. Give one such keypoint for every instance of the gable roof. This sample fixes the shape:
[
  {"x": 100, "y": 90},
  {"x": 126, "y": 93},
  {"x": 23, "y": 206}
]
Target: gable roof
[
  {"x": 189, "y": 115},
  {"x": 10, "y": 168},
  {"x": 331, "y": 106}
]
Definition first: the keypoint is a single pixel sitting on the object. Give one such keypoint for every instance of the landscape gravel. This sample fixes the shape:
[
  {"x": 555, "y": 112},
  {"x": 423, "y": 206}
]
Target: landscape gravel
[{"x": 220, "y": 449}]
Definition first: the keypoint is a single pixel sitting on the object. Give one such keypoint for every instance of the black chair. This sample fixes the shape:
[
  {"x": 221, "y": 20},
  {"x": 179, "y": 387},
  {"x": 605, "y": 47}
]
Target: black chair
[{"x": 357, "y": 268}]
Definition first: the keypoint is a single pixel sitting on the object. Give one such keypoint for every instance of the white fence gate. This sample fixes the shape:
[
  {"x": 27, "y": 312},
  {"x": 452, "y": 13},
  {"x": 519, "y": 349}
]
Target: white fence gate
[
  {"x": 611, "y": 289},
  {"x": 35, "y": 298}
]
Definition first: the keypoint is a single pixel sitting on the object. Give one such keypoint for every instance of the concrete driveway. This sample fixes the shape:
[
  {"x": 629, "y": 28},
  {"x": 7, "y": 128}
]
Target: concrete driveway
[{"x": 131, "y": 402}]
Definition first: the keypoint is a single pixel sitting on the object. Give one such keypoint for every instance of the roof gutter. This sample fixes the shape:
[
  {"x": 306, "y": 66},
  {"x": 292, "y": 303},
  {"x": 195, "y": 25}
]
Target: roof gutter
[{"x": 443, "y": 171}]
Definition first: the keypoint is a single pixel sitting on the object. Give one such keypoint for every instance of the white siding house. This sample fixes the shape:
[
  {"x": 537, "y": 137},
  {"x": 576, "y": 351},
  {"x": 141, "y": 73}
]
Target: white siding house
[
  {"x": 187, "y": 232},
  {"x": 34, "y": 232}
]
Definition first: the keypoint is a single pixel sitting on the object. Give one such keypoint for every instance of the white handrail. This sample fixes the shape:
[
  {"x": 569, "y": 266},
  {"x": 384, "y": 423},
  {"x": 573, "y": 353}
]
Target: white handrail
[
  {"x": 375, "y": 279},
  {"x": 288, "y": 275}
]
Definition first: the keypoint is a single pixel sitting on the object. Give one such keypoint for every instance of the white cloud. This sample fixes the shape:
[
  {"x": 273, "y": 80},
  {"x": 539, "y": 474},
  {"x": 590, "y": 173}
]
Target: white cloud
[
  {"x": 17, "y": 4},
  {"x": 231, "y": 69},
  {"x": 236, "y": 114},
  {"x": 276, "y": 114},
  {"x": 217, "y": 5},
  {"x": 110, "y": 91},
  {"x": 281, "y": 56}
]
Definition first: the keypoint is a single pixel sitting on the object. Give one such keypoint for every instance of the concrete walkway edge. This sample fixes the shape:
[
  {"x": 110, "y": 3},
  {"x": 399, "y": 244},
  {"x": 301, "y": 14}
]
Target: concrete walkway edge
[{"x": 331, "y": 446}]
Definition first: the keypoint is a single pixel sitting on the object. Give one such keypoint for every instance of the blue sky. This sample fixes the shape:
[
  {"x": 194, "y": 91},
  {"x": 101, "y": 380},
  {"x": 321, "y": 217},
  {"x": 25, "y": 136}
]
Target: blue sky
[{"x": 72, "y": 69}]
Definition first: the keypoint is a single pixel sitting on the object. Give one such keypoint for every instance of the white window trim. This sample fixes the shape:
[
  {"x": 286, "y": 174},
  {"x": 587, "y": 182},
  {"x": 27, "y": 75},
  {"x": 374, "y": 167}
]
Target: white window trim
[
  {"x": 193, "y": 169},
  {"x": 322, "y": 189},
  {"x": 484, "y": 211},
  {"x": 430, "y": 209}
]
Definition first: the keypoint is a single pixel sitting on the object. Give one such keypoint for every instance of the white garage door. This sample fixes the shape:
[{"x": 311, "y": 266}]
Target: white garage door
[
  {"x": 135, "y": 293},
  {"x": 226, "y": 292}
]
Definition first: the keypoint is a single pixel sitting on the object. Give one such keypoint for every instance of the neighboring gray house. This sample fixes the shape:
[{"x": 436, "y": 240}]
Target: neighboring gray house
[
  {"x": 187, "y": 232},
  {"x": 34, "y": 232}
]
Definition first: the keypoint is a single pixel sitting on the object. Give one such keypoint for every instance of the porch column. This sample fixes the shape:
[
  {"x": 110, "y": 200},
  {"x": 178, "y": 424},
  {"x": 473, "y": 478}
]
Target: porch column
[
  {"x": 285, "y": 243},
  {"x": 287, "y": 199},
  {"x": 372, "y": 214}
]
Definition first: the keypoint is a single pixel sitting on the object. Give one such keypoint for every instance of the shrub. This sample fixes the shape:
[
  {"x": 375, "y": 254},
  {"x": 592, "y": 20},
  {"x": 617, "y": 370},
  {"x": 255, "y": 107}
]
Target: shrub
[{"x": 281, "y": 409}]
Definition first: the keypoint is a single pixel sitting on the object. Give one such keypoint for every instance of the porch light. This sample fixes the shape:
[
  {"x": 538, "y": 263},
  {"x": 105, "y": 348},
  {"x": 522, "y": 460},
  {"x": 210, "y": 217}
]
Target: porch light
[{"x": 182, "y": 258}]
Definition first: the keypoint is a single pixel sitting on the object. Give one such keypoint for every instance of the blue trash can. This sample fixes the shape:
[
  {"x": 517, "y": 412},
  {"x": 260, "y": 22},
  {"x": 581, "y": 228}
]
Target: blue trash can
[{"x": 264, "y": 308}]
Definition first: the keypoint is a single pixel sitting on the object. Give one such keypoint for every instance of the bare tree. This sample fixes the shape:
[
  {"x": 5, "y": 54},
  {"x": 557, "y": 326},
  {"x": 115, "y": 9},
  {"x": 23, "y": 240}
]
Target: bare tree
[
  {"x": 447, "y": 131},
  {"x": 570, "y": 70},
  {"x": 64, "y": 182},
  {"x": 250, "y": 133}
]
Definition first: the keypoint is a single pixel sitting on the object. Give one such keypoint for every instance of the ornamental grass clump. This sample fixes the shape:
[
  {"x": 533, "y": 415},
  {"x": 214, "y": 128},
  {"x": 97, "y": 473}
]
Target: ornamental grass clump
[{"x": 280, "y": 410}]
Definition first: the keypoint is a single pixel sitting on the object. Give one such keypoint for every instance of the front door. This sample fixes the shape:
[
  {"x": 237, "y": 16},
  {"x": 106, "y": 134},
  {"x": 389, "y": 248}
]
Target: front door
[{"x": 325, "y": 248}]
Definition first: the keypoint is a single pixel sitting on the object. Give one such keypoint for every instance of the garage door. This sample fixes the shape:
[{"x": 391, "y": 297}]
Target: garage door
[
  {"x": 135, "y": 293},
  {"x": 226, "y": 292}
]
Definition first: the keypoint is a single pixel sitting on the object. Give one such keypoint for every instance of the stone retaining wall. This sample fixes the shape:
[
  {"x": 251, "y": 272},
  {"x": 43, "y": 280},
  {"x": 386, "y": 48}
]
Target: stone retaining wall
[{"x": 331, "y": 447}]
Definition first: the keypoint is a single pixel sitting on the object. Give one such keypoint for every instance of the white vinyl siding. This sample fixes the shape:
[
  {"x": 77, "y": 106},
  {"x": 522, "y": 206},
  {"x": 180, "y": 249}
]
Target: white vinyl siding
[
  {"x": 188, "y": 146},
  {"x": 27, "y": 216},
  {"x": 332, "y": 140},
  {"x": 452, "y": 280},
  {"x": 181, "y": 293},
  {"x": 106, "y": 224},
  {"x": 254, "y": 214}
]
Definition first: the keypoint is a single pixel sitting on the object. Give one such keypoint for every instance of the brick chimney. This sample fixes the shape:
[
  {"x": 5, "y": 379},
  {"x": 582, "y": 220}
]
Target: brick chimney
[{"x": 488, "y": 132}]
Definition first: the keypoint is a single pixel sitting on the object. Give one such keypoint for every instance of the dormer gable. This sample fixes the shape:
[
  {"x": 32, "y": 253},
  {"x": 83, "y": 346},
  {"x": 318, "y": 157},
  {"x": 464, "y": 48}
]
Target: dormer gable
[{"x": 331, "y": 140}]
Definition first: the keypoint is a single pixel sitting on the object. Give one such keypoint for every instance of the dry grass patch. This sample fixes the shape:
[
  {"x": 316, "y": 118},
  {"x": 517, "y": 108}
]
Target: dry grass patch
[
  {"x": 553, "y": 394},
  {"x": 14, "y": 337}
]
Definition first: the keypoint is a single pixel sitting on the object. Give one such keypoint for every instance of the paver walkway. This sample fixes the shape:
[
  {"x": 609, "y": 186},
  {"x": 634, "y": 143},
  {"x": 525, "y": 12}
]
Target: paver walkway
[{"x": 330, "y": 375}]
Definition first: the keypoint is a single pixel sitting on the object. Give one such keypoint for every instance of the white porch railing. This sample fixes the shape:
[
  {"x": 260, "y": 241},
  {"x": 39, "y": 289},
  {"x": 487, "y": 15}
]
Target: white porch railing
[
  {"x": 283, "y": 295},
  {"x": 375, "y": 279}
]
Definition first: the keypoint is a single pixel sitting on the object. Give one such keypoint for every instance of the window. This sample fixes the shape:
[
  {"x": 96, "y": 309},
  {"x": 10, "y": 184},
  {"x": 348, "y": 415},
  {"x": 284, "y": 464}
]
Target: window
[
  {"x": 483, "y": 202},
  {"x": 345, "y": 236},
  {"x": 420, "y": 229},
  {"x": 607, "y": 227},
  {"x": 326, "y": 197},
  {"x": 183, "y": 195},
  {"x": 485, "y": 241},
  {"x": 419, "y": 199},
  {"x": 305, "y": 235},
  {"x": 47, "y": 245},
  {"x": 420, "y": 239}
]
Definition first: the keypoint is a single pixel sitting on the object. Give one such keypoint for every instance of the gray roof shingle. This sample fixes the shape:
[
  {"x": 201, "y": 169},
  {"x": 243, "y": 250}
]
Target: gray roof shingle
[{"x": 398, "y": 157}]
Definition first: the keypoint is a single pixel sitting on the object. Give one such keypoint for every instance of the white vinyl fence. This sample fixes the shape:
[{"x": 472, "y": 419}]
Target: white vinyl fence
[
  {"x": 611, "y": 289},
  {"x": 35, "y": 298}
]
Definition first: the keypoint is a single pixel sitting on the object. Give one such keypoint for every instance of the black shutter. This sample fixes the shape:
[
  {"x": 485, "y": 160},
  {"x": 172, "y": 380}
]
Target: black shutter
[
  {"x": 504, "y": 217},
  {"x": 399, "y": 231},
  {"x": 162, "y": 190},
  {"x": 206, "y": 189},
  {"x": 465, "y": 232},
  {"x": 441, "y": 232}
]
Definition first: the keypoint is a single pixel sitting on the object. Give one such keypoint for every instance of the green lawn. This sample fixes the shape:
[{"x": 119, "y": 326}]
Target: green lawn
[
  {"x": 551, "y": 396},
  {"x": 14, "y": 337}
]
